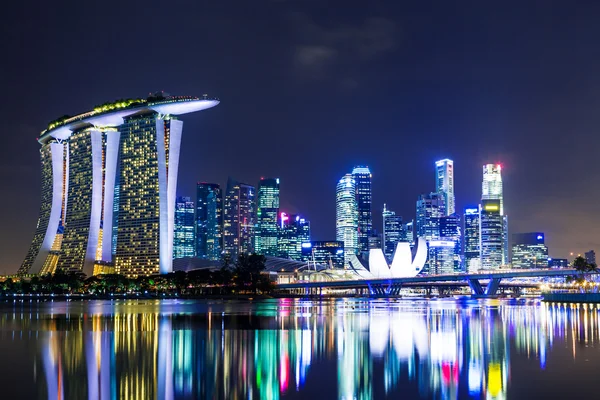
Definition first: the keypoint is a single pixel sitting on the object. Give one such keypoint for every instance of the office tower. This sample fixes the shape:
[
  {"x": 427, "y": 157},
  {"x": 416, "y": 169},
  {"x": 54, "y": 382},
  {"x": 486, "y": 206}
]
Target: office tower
[
  {"x": 239, "y": 217},
  {"x": 265, "y": 241},
  {"x": 430, "y": 209},
  {"x": 326, "y": 253},
  {"x": 293, "y": 232},
  {"x": 374, "y": 240},
  {"x": 451, "y": 233},
  {"x": 123, "y": 155},
  {"x": 590, "y": 256},
  {"x": 444, "y": 183},
  {"x": 472, "y": 256},
  {"x": 558, "y": 262},
  {"x": 529, "y": 250},
  {"x": 491, "y": 188},
  {"x": 393, "y": 232},
  {"x": 362, "y": 179},
  {"x": 347, "y": 216},
  {"x": 491, "y": 231},
  {"x": 209, "y": 221},
  {"x": 409, "y": 231},
  {"x": 184, "y": 243}
]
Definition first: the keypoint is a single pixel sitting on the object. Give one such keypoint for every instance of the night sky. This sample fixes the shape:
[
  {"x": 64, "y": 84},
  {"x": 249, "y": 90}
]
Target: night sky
[{"x": 310, "y": 88}]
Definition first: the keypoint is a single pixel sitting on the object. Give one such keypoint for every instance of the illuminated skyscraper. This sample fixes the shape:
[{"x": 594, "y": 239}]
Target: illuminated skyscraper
[
  {"x": 268, "y": 211},
  {"x": 491, "y": 188},
  {"x": 209, "y": 221},
  {"x": 239, "y": 218},
  {"x": 491, "y": 235},
  {"x": 293, "y": 232},
  {"x": 472, "y": 255},
  {"x": 393, "y": 232},
  {"x": 444, "y": 182},
  {"x": 451, "y": 231},
  {"x": 327, "y": 253},
  {"x": 362, "y": 179},
  {"x": 529, "y": 250},
  {"x": 184, "y": 243},
  {"x": 347, "y": 216},
  {"x": 121, "y": 157},
  {"x": 430, "y": 209}
]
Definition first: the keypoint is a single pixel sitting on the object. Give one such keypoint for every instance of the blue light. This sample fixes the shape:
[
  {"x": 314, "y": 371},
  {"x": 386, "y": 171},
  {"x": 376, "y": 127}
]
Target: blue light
[
  {"x": 307, "y": 245},
  {"x": 540, "y": 237},
  {"x": 339, "y": 251}
]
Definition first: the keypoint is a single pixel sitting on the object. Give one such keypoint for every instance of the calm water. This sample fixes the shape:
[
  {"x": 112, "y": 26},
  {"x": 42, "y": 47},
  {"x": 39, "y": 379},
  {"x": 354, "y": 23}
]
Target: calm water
[{"x": 292, "y": 349}]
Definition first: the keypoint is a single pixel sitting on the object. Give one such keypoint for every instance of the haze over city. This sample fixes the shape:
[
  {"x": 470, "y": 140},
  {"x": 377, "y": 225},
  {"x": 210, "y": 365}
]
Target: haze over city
[{"x": 308, "y": 90}]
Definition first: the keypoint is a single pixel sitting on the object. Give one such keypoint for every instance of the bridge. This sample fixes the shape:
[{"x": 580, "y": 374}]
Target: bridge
[{"x": 482, "y": 284}]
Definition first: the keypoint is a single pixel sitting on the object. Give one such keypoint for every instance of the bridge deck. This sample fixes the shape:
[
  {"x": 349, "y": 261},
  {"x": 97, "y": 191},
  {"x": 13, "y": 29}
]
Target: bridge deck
[{"x": 427, "y": 279}]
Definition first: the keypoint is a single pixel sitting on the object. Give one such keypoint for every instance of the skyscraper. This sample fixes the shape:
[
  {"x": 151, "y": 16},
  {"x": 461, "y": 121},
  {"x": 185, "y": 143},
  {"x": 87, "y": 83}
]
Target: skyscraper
[
  {"x": 472, "y": 255},
  {"x": 293, "y": 232},
  {"x": 267, "y": 213},
  {"x": 209, "y": 221},
  {"x": 393, "y": 232},
  {"x": 184, "y": 238},
  {"x": 491, "y": 189},
  {"x": 444, "y": 182},
  {"x": 430, "y": 209},
  {"x": 326, "y": 253},
  {"x": 451, "y": 231},
  {"x": 529, "y": 250},
  {"x": 362, "y": 179},
  {"x": 120, "y": 156},
  {"x": 347, "y": 216},
  {"x": 239, "y": 218},
  {"x": 491, "y": 235}
]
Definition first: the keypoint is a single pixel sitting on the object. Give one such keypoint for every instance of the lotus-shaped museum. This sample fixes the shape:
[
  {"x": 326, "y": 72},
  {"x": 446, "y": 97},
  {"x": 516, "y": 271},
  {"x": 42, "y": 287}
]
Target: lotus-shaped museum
[{"x": 404, "y": 265}]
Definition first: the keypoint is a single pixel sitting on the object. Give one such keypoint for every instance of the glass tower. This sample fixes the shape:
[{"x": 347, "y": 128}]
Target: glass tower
[
  {"x": 430, "y": 209},
  {"x": 347, "y": 216},
  {"x": 491, "y": 189},
  {"x": 393, "y": 232},
  {"x": 472, "y": 256},
  {"x": 362, "y": 179},
  {"x": 444, "y": 183},
  {"x": 184, "y": 238},
  {"x": 327, "y": 253},
  {"x": 267, "y": 213},
  {"x": 293, "y": 232},
  {"x": 529, "y": 250},
  {"x": 209, "y": 221},
  {"x": 491, "y": 235},
  {"x": 239, "y": 218}
]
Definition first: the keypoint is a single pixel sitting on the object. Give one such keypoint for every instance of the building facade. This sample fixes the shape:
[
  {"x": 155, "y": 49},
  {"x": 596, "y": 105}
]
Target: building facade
[
  {"x": 184, "y": 241},
  {"x": 430, "y": 209},
  {"x": 293, "y": 232},
  {"x": 393, "y": 232},
  {"x": 491, "y": 235},
  {"x": 209, "y": 221},
  {"x": 444, "y": 183},
  {"x": 347, "y": 216},
  {"x": 529, "y": 250},
  {"x": 109, "y": 178},
  {"x": 491, "y": 189},
  {"x": 265, "y": 241},
  {"x": 472, "y": 253},
  {"x": 239, "y": 219},
  {"x": 326, "y": 253},
  {"x": 362, "y": 180},
  {"x": 590, "y": 256}
]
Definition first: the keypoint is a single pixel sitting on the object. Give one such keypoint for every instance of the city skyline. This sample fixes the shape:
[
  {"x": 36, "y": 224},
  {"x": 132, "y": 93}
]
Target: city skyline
[{"x": 490, "y": 92}]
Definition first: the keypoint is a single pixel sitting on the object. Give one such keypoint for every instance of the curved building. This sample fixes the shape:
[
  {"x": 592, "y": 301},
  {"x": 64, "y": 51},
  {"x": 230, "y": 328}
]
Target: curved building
[{"x": 109, "y": 178}]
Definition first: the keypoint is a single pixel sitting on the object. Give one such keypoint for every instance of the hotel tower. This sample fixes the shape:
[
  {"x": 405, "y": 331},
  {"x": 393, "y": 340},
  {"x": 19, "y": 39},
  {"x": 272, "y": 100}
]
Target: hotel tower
[{"x": 109, "y": 180}]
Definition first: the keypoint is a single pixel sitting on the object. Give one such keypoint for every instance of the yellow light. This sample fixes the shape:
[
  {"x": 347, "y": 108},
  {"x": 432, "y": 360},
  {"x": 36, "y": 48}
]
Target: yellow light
[{"x": 491, "y": 208}]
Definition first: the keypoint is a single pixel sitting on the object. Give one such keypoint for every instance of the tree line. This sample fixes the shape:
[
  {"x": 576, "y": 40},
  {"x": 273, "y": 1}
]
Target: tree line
[{"x": 245, "y": 276}]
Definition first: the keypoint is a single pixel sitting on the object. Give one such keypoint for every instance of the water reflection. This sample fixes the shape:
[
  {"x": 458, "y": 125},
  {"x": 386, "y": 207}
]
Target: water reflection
[{"x": 364, "y": 349}]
